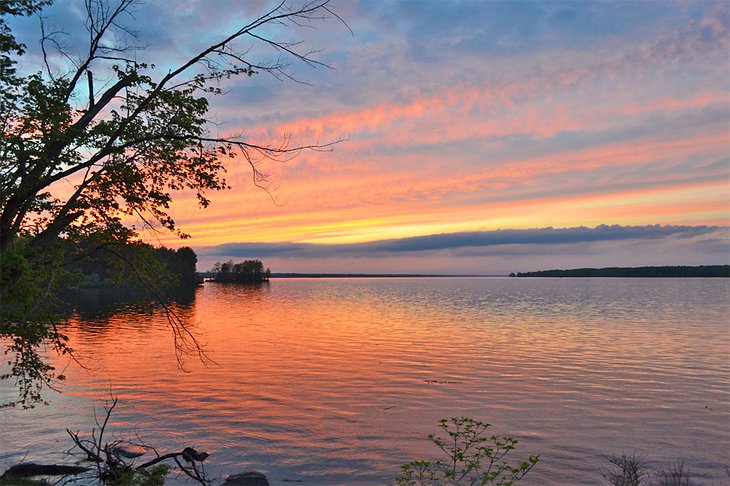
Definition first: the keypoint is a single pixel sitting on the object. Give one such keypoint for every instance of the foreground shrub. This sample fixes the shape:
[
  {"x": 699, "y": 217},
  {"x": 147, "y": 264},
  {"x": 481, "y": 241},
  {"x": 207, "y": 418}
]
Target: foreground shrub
[
  {"x": 471, "y": 458},
  {"x": 632, "y": 471},
  {"x": 625, "y": 471}
]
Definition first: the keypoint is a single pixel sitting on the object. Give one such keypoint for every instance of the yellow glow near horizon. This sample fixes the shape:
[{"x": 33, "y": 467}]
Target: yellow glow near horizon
[{"x": 691, "y": 205}]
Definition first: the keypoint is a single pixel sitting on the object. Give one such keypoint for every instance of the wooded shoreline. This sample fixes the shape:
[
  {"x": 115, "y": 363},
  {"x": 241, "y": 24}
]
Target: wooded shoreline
[{"x": 702, "y": 271}]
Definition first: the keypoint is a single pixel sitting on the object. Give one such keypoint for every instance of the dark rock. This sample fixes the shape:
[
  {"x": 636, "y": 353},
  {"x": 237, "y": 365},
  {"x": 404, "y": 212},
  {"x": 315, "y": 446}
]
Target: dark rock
[
  {"x": 248, "y": 478},
  {"x": 28, "y": 469},
  {"x": 190, "y": 455}
]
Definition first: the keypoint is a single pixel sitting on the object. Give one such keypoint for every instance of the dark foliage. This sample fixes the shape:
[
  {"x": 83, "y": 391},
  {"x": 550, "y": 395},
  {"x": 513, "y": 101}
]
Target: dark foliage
[
  {"x": 103, "y": 268},
  {"x": 248, "y": 271}
]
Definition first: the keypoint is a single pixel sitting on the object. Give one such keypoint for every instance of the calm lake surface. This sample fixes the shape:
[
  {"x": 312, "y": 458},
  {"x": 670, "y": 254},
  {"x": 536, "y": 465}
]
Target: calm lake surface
[{"x": 338, "y": 381}]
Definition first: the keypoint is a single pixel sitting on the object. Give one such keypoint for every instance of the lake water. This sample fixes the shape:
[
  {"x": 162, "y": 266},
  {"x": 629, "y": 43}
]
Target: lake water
[{"x": 338, "y": 381}]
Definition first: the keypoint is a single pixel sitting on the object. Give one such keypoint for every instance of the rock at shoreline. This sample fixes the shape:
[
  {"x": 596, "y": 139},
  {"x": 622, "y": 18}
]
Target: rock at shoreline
[
  {"x": 30, "y": 469},
  {"x": 248, "y": 478}
]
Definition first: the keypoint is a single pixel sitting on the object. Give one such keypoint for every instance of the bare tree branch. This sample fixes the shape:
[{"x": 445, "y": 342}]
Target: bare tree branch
[{"x": 112, "y": 458}]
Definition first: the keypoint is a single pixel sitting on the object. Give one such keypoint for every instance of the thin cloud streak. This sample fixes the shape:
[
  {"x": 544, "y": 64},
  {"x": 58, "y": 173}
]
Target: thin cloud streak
[
  {"x": 480, "y": 239},
  {"x": 493, "y": 252}
]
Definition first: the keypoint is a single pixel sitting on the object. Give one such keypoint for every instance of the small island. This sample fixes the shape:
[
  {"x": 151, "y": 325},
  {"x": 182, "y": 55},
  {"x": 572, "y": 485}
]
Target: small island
[
  {"x": 248, "y": 271},
  {"x": 702, "y": 271}
]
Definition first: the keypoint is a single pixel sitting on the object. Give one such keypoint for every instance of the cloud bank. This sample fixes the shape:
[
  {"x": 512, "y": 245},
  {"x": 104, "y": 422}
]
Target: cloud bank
[{"x": 496, "y": 250}]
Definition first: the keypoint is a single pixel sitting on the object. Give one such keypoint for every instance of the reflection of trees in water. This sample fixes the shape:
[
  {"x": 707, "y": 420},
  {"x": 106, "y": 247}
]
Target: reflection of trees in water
[
  {"x": 242, "y": 290},
  {"x": 97, "y": 305}
]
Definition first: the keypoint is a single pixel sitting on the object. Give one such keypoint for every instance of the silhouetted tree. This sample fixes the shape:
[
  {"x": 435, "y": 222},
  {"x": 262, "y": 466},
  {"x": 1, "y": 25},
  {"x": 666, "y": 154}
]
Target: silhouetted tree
[
  {"x": 248, "y": 271},
  {"x": 128, "y": 137},
  {"x": 181, "y": 263}
]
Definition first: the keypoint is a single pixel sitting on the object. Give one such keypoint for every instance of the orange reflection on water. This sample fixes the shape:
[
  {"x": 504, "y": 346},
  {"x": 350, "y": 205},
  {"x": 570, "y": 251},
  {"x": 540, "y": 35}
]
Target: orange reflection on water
[{"x": 338, "y": 381}]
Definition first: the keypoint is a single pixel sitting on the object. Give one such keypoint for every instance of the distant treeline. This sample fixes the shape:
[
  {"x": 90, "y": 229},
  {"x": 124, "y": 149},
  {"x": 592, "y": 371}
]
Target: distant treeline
[
  {"x": 248, "y": 271},
  {"x": 136, "y": 266},
  {"x": 655, "y": 272}
]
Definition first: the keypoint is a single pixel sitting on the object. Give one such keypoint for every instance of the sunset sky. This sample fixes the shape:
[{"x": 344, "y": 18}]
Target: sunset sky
[{"x": 479, "y": 137}]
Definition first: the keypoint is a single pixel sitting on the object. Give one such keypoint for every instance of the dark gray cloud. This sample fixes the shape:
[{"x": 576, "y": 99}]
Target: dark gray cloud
[{"x": 477, "y": 242}]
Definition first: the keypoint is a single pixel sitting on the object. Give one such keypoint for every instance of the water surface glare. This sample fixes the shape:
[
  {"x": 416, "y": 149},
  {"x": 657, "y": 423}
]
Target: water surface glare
[{"x": 338, "y": 381}]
